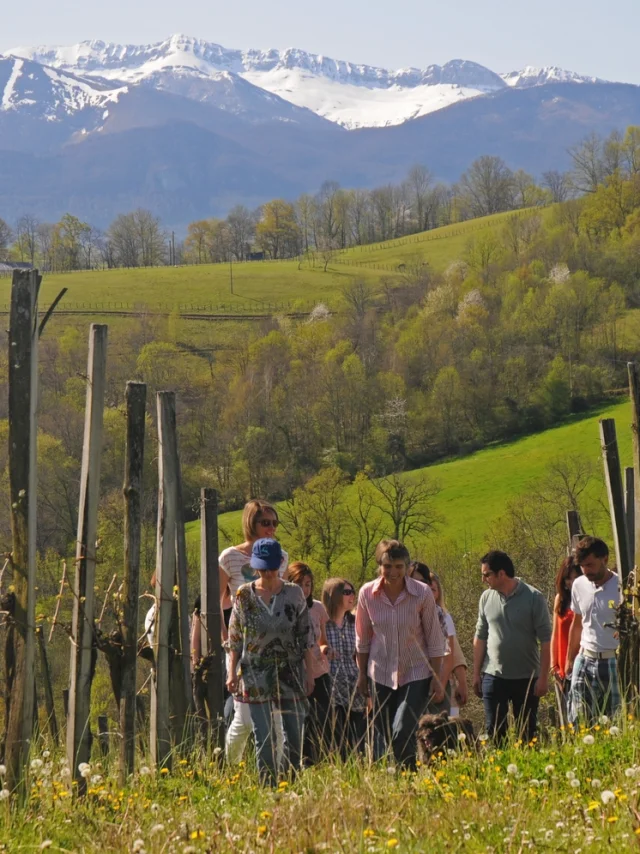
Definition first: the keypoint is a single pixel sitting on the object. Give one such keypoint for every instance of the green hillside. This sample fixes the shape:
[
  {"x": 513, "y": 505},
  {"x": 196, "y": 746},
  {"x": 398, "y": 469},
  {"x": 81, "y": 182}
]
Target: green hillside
[
  {"x": 260, "y": 287},
  {"x": 476, "y": 489}
]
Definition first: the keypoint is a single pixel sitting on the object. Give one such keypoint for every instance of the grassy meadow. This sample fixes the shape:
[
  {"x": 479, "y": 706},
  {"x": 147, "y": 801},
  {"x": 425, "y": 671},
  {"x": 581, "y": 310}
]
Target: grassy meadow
[
  {"x": 475, "y": 490},
  {"x": 567, "y": 792}
]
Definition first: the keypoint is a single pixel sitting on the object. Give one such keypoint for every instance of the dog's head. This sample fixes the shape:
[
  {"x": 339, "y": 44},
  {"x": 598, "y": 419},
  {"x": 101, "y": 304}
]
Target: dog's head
[{"x": 440, "y": 732}]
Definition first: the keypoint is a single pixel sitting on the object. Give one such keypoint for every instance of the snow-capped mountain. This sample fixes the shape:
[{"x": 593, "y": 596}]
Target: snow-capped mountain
[
  {"x": 348, "y": 94},
  {"x": 531, "y": 76}
]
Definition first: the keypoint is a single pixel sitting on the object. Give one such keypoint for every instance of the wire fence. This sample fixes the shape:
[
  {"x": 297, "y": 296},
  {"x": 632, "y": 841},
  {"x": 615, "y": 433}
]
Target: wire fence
[{"x": 249, "y": 308}]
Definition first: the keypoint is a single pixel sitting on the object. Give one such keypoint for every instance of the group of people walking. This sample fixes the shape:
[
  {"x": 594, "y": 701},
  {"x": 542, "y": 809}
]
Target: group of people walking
[{"x": 311, "y": 677}]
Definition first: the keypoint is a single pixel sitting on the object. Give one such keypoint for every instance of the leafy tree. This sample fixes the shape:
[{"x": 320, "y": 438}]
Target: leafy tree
[
  {"x": 278, "y": 232},
  {"x": 6, "y": 235}
]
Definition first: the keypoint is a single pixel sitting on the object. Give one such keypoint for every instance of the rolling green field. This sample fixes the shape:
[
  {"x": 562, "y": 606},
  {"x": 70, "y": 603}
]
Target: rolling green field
[
  {"x": 262, "y": 287},
  {"x": 476, "y": 489}
]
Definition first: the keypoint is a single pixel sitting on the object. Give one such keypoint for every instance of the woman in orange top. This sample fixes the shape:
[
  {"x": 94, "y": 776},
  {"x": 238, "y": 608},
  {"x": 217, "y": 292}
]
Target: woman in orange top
[{"x": 562, "y": 619}]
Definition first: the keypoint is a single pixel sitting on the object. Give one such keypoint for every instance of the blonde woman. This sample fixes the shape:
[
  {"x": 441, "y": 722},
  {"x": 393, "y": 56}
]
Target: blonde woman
[
  {"x": 259, "y": 521},
  {"x": 454, "y": 666}
]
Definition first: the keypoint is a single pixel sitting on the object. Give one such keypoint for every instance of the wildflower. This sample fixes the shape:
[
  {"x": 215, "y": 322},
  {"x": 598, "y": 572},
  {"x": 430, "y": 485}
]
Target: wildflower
[
  {"x": 588, "y": 739},
  {"x": 155, "y": 807},
  {"x": 596, "y": 784},
  {"x": 83, "y": 766},
  {"x": 217, "y": 751},
  {"x": 197, "y": 834},
  {"x": 86, "y": 773},
  {"x": 65, "y": 772},
  {"x": 570, "y": 775},
  {"x": 157, "y": 828},
  {"x": 164, "y": 771},
  {"x": 96, "y": 779},
  {"x": 145, "y": 771},
  {"x": 512, "y": 769},
  {"x": 391, "y": 769},
  {"x": 3, "y": 770},
  {"x": 138, "y": 845},
  {"x": 392, "y": 843},
  {"x": 607, "y": 797},
  {"x": 612, "y": 818},
  {"x": 262, "y": 829},
  {"x": 36, "y": 764},
  {"x": 462, "y": 736},
  {"x": 46, "y": 843},
  {"x": 265, "y": 814},
  {"x": 4, "y": 794},
  {"x": 548, "y": 835},
  {"x": 614, "y": 730},
  {"x": 368, "y": 833},
  {"x": 534, "y": 782},
  {"x": 483, "y": 737},
  {"x": 549, "y": 769},
  {"x": 575, "y": 783}
]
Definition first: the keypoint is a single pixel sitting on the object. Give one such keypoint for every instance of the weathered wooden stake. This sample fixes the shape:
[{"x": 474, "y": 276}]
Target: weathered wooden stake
[
  {"x": 634, "y": 393},
  {"x": 136, "y": 396},
  {"x": 48, "y": 687},
  {"x": 23, "y": 402},
  {"x": 103, "y": 734},
  {"x": 615, "y": 492},
  {"x": 574, "y": 527},
  {"x": 83, "y": 630},
  {"x": 166, "y": 570},
  {"x": 630, "y": 511},
  {"x": 210, "y": 616}
]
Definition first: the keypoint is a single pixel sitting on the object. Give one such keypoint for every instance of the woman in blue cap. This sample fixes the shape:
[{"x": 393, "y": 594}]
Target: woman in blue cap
[{"x": 270, "y": 663}]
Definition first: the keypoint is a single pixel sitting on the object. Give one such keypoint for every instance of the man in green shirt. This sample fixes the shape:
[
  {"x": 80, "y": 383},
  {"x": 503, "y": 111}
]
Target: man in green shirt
[{"x": 511, "y": 649}]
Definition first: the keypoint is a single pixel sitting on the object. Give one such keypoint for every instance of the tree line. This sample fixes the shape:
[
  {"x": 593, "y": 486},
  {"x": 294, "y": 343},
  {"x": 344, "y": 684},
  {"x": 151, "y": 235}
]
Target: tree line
[{"x": 332, "y": 219}]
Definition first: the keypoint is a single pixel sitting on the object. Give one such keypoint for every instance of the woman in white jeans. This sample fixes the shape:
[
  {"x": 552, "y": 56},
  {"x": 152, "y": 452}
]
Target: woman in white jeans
[{"x": 259, "y": 520}]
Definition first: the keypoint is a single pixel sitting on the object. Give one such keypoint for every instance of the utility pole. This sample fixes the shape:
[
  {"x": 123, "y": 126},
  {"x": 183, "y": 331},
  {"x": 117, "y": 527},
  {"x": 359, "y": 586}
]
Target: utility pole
[
  {"x": 173, "y": 248},
  {"x": 231, "y": 272}
]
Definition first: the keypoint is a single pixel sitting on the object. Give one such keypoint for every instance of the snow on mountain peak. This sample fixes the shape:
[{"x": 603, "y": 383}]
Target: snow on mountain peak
[
  {"x": 532, "y": 76},
  {"x": 350, "y": 94}
]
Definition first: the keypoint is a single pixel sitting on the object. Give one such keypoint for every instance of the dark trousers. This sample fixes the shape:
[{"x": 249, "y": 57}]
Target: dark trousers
[
  {"x": 317, "y": 731},
  {"x": 349, "y": 731},
  {"x": 497, "y": 693},
  {"x": 396, "y": 714}
]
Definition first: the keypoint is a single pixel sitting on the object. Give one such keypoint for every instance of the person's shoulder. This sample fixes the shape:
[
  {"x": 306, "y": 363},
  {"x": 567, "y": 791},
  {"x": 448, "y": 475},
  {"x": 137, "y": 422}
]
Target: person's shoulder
[
  {"x": 531, "y": 590},
  {"x": 368, "y": 586},
  {"x": 231, "y": 552},
  {"x": 293, "y": 590},
  {"x": 581, "y": 585},
  {"x": 319, "y": 607},
  {"x": 486, "y": 595},
  {"x": 243, "y": 591}
]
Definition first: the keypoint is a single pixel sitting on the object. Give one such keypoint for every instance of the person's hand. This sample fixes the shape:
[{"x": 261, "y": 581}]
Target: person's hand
[
  {"x": 462, "y": 693},
  {"x": 311, "y": 684},
  {"x": 477, "y": 685},
  {"x": 542, "y": 686},
  {"x": 232, "y": 684},
  {"x": 331, "y": 653},
  {"x": 568, "y": 670},
  {"x": 438, "y": 691},
  {"x": 362, "y": 686}
]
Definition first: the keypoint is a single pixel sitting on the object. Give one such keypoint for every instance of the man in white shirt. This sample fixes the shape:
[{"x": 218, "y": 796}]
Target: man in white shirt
[{"x": 593, "y": 641}]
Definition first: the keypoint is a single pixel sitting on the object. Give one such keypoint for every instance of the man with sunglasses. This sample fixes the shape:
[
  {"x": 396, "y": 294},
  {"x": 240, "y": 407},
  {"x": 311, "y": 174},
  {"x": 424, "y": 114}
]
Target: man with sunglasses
[{"x": 511, "y": 649}]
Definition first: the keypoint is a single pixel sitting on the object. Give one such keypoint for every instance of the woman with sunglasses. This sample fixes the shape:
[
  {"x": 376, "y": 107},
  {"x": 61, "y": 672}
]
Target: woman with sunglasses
[
  {"x": 348, "y": 706},
  {"x": 317, "y": 736},
  {"x": 259, "y": 520}
]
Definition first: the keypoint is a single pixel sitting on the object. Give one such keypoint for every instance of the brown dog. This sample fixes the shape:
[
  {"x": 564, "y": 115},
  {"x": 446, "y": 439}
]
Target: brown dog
[{"x": 438, "y": 733}]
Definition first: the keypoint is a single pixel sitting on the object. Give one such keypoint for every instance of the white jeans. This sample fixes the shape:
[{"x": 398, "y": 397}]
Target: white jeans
[{"x": 240, "y": 730}]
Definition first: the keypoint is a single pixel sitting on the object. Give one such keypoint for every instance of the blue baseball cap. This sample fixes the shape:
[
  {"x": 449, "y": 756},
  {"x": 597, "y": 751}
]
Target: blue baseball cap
[{"x": 266, "y": 554}]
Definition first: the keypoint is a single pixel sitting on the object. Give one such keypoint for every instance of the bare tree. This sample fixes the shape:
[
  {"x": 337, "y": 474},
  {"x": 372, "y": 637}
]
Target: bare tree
[
  {"x": 558, "y": 184},
  {"x": 367, "y": 522},
  {"x": 27, "y": 237},
  {"x": 488, "y": 186},
  {"x": 407, "y": 503},
  {"x": 419, "y": 183},
  {"x": 588, "y": 164},
  {"x": 137, "y": 239},
  {"x": 241, "y": 230}
]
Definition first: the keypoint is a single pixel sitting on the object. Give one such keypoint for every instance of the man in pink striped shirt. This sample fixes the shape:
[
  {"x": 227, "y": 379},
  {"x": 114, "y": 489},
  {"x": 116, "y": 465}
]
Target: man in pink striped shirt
[{"x": 399, "y": 646}]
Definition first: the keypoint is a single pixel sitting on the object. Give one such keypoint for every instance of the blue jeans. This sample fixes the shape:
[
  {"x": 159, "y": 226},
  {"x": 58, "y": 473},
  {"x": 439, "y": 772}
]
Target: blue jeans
[
  {"x": 396, "y": 715},
  {"x": 497, "y": 693},
  {"x": 293, "y": 715}
]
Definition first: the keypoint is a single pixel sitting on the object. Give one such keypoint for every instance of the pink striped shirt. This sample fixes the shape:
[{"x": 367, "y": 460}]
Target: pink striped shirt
[{"x": 400, "y": 637}]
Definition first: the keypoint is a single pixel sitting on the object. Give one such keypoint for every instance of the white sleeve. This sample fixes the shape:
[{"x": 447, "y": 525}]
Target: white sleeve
[{"x": 449, "y": 624}]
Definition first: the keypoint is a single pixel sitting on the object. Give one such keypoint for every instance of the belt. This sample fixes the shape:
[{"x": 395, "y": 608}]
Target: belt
[{"x": 598, "y": 656}]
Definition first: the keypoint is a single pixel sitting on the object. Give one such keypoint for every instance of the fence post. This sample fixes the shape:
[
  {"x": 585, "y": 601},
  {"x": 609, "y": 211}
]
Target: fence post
[
  {"x": 83, "y": 647},
  {"x": 615, "y": 493},
  {"x": 23, "y": 402},
  {"x": 630, "y": 510},
  {"x": 136, "y": 396},
  {"x": 210, "y": 616},
  {"x": 48, "y": 687},
  {"x": 634, "y": 393}
]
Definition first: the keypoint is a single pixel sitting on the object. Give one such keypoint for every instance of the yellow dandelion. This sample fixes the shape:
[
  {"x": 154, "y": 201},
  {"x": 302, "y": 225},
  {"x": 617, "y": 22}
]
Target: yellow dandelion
[
  {"x": 265, "y": 814},
  {"x": 392, "y": 843},
  {"x": 368, "y": 833},
  {"x": 262, "y": 829},
  {"x": 612, "y": 818},
  {"x": 197, "y": 834},
  {"x": 164, "y": 770}
]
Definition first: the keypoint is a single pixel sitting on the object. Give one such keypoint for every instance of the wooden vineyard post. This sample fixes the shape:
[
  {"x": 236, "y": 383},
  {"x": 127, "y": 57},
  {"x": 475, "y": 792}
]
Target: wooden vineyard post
[
  {"x": 136, "y": 397},
  {"x": 48, "y": 687},
  {"x": 629, "y": 511},
  {"x": 23, "y": 403},
  {"x": 574, "y": 528},
  {"x": 210, "y": 616},
  {"x": 166, "y": 575},
  {"x": 615, "y": 492},
  {"x": 83, "y": 647},
  {"x": 634, "y": 393}
]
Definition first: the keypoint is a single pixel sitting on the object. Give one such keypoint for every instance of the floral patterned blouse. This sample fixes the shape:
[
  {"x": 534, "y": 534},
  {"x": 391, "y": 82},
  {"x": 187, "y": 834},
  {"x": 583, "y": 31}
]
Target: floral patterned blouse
[{"x": 271, "y": 641}]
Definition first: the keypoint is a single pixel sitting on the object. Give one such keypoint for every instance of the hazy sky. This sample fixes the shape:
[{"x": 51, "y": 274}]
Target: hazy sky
[{"x": 587, "y": 36}]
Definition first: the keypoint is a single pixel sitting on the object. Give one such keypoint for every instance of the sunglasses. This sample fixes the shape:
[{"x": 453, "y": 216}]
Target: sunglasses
[
  {"x": 348, "y": 591},
  {"x": 268, "y": 523}
]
